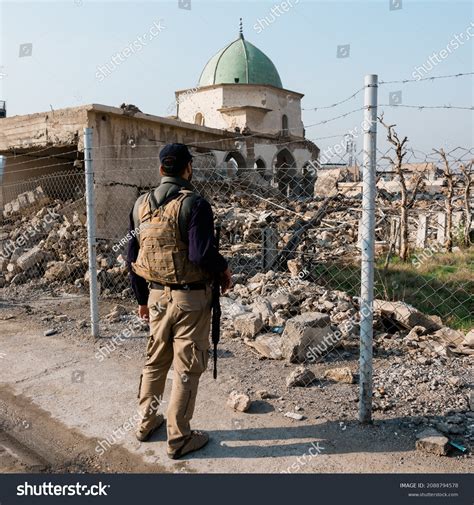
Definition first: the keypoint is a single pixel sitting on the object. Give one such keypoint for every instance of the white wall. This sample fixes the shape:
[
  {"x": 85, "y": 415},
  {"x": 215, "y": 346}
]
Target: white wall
[{"x": 208, "y": 100}]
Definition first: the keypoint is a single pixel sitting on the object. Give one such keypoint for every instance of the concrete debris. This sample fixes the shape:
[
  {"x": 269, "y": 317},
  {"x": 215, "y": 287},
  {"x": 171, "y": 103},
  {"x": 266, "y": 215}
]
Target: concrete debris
[
  {"x": 239, "y": 401},
  {"x": 34, "y": 256},
  {"x": 59, "y": 271},
  {"x": 49, "y": 246},
  {"x": 268, "y": 345},
  {"x": 303, "y": 332},
  {"x": 449, "y": 336},
  {"x": 431, "y": 441},
  {"x": 300, "y": 377},
  {"x": 248, "y": 326},
  {"x": 129, "y": 109},
  {"x": 116, "y": 314},
  {"x": 469, "y": 339},
  {"x": 295, "y": 268},
  {"x": 343, "y": 374},
  {"x": 283, "y": 314},
  {"x": 24, "y": 201},
  {"x": 403, "y": 315},
  {"x": 294, "y": 415},
  {"x": 263, "y": 309}
]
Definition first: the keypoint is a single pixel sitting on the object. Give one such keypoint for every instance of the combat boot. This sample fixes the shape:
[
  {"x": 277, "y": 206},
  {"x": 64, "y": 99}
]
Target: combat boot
[
  {"x": 197, "y": 440},
  {"x": 144, "y": 433}
]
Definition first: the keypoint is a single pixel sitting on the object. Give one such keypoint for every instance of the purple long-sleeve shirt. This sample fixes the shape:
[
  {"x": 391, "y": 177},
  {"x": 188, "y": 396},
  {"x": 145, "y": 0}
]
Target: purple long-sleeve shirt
[{"x": 202, "y": 247}]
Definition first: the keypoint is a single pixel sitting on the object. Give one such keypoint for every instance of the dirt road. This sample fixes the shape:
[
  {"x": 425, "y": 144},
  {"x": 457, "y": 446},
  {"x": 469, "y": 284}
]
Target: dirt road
[{"x": 64, "y": 409}]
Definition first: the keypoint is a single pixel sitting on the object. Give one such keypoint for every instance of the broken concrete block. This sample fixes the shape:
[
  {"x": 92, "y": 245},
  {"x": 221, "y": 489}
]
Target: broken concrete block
[
  {"x": 281, "y": 301},
  {"x": 268, "y": 345},
  {"x": 116, "y": 314},
  {"x": 415, "y": 332},
  {"x": 30, "y": 196},
  {"x": 58, "y": 271},
  {"x": 433, "y": 442},
  {"x": 405, "y": 315},
  {"x": 471, "y": 400},
  {"x": 295, "y": 266},
  {"x": 300, "y": 377},
  {"x": 248, "y": 326},
  {"x": 302, "y": 332},
  {"x": 469, "y": 339},
  {"x": 238, "y": 401},
  {"x": 30, "y": 258},
  {"x": 449, "y": 336},
  {"x": 263, "y": 309},
  {"x": 343, "y": 374},
  {"x": 232, "y": 309}
]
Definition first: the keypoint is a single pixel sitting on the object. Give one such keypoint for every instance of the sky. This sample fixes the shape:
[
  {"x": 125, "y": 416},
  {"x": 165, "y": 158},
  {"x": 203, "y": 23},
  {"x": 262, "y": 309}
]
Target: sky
[{"x": 71, "y": 39}]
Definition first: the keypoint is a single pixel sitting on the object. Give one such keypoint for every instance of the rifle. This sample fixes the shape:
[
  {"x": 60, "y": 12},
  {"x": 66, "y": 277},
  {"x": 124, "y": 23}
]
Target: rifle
[{"x": 216, "y": 307}]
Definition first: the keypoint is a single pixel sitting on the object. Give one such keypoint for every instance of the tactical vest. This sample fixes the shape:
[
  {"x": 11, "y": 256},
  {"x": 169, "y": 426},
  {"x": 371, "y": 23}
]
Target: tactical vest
[{"x": 163, "y": 254}]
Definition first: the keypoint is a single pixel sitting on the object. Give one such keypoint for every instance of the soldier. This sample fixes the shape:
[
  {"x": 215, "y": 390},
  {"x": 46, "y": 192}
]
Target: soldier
[{"x": 172, "y": 263}]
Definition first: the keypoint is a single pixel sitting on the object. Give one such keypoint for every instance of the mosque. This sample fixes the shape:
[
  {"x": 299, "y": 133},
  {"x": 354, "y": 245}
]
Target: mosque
[
  {"x": 240, "y": 90},
  {"x": 238, "y": 121}
]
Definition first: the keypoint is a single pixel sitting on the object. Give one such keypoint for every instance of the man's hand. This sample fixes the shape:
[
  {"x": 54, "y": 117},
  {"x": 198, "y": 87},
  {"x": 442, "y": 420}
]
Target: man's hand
[
  {"x": 226, "y": 280},
  {"x": 144, "y": 312}
]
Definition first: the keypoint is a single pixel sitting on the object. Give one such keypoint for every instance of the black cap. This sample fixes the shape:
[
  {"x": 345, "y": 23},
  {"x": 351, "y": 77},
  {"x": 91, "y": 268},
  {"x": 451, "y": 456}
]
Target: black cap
[{"x": 174, "y": 158}]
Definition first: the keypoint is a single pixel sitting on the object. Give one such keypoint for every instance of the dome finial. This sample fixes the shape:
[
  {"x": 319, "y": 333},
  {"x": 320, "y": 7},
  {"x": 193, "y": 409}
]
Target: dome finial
[{"x": 241, "y": 30}]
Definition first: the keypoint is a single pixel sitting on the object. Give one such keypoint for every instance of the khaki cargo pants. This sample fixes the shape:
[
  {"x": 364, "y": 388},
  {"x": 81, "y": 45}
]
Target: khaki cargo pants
[{"x": 179, "y": 335}]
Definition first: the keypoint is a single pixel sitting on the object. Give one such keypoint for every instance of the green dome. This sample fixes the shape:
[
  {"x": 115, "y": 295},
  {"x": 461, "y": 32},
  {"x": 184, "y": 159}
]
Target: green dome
[{"x": 240, "y": 62}]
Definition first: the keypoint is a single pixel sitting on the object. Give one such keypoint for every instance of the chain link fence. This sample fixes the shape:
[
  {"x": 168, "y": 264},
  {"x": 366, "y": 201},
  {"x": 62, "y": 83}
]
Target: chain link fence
[{"x": 295, "y": 255}]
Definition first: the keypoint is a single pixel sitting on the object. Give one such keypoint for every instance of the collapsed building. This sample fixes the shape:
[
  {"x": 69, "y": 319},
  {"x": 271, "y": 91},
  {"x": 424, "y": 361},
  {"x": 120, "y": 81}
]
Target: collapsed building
[{"x": 238, "y": 120}]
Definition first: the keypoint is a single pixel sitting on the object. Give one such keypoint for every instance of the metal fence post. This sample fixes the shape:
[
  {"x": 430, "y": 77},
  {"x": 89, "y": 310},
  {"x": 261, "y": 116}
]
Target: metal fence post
[
  {"x": 368, "y": 240},
  {"x": 2, "y": 170},
  {"x": 91, "y": 239}
]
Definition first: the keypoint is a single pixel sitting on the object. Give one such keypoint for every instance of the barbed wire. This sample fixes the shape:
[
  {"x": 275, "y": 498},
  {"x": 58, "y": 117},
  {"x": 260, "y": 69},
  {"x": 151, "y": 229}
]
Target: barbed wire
[
  {"x": 433, "y": 78},
  {"x": 381, "y": 83},
  {"x": 421, "y": 107},
  {"x": 38, "y": 159},
  {"x": 209, "y": 155},
  {"x": 336, "y": 103}
]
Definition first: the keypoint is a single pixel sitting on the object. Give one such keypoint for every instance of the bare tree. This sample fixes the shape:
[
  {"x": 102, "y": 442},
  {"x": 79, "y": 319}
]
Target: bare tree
[
  {"x": 407, "y": 197},
  {"x": 466, "y": 170},
  {"x": 448, "y": 202}
]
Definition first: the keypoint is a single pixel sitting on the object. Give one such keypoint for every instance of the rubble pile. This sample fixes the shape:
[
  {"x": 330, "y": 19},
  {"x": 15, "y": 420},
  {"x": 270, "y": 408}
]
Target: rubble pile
[
  {"x": 284, "y": 317},
  {"x": 49, "y": 246},
  {"x": 424, "y": 373},
  {"x": 244, "y": 221}
]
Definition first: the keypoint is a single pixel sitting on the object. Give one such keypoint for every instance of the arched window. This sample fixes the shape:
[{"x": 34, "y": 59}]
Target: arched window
[
  {"x": 284, "y": 125},
  {"x": 261, "y": 168},
  {"x": 199, "y": 119},
  {"x": 234, "y": 162},
  {"x": 285, "y": 171}
]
